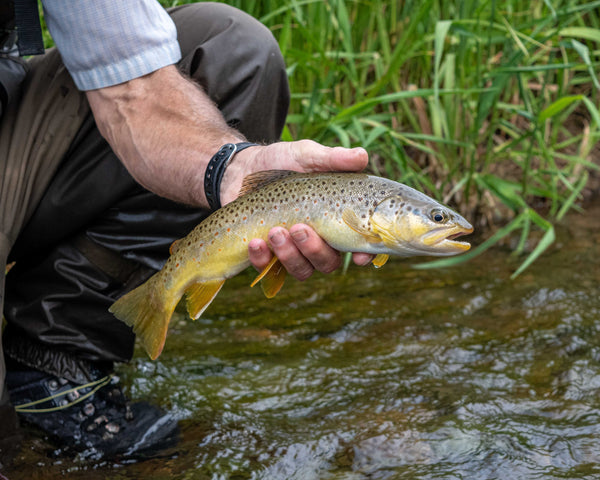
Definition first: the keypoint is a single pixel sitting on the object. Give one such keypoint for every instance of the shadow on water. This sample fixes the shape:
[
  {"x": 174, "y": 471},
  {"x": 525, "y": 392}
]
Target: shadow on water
[{"x": 389, "y": 373}]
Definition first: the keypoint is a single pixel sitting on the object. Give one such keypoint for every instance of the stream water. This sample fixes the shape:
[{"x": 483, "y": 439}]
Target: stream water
[{"x": 384, "y": 373}]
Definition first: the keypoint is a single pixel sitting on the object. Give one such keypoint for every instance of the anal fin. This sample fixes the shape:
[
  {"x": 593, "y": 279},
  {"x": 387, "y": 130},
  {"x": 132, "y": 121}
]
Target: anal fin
[
  {"x": 380, "y": 260},
  {"x": 200, "y": 295},
  {"x": 271, "y": 278}
]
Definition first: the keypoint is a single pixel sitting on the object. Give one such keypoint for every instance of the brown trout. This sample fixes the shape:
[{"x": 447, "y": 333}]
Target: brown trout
[{"x": 352, "y": 212}]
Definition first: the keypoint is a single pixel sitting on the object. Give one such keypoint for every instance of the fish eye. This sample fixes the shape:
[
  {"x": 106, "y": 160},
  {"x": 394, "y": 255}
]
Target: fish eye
[{"x": 439, "y": 216}]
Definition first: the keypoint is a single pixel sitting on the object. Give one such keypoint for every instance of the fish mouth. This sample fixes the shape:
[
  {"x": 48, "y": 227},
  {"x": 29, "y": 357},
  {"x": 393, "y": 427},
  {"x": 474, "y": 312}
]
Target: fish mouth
[{"x": 445, "y": 239}]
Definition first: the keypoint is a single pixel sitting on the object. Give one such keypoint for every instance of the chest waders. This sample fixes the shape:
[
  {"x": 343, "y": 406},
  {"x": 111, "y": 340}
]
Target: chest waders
[{"x": 28, "y": 99}]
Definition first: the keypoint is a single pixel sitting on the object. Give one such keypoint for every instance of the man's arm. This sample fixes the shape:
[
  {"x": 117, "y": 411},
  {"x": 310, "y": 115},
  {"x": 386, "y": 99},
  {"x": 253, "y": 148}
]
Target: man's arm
[{"x": 165, "y": 129}]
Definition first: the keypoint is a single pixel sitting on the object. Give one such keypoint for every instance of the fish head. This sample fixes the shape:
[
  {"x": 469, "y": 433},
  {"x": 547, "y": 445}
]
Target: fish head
[{"x": 414, "y": 224}]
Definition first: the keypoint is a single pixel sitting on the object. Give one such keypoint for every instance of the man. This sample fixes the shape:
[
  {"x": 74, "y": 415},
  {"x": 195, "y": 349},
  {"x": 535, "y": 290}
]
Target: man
[{"x": 103, "y": 195}]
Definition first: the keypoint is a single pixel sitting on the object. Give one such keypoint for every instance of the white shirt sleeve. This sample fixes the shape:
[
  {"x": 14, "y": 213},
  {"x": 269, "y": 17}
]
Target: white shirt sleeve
[{"x": 106, "y": 42}]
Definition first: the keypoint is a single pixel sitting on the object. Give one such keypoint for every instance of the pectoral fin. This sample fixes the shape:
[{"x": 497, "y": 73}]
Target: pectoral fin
[
  {"x": 351, "y": 219},
  {"x": 383, "y": 228},
  {"x": 200, "y": 295},
  {"x": 271, "y": 278},
  {"x": 380, "y": 260}
]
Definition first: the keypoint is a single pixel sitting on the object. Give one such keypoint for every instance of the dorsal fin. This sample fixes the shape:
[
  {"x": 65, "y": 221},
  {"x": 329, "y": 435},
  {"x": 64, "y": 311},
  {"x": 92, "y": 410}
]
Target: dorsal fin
[
  {"x": 174, "y": 246},
  {"x": 257, "y": 180}
]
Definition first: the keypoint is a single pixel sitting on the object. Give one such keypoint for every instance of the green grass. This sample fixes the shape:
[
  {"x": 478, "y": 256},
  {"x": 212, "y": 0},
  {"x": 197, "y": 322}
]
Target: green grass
[{"x": 491, "y": 107}]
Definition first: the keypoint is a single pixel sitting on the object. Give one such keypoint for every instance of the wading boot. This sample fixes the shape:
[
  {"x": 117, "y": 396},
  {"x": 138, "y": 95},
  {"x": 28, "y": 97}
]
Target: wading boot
[{"x": 94, "y": 418}]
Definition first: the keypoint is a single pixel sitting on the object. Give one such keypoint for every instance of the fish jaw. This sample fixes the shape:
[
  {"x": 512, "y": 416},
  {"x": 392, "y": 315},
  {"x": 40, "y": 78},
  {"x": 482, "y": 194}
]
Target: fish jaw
[{"x": 443, "y": 239}]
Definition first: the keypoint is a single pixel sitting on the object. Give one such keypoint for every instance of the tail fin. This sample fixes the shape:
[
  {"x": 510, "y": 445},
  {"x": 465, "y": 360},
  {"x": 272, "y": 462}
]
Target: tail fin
[{"x": 148, "y": 313}]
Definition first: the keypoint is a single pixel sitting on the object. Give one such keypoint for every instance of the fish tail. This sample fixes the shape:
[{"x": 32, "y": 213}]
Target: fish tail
[{"x": 148, "y": 312}]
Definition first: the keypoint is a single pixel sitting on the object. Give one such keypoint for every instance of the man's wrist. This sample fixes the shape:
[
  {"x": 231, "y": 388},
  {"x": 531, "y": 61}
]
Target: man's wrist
[{"x": 215, "y": 171}]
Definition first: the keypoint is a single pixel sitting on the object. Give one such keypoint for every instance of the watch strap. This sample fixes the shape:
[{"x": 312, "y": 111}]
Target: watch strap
[{"x": 216, "y": 168}]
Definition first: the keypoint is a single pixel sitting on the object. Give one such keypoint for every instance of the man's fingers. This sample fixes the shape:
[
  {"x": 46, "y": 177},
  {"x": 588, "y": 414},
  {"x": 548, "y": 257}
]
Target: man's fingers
[
  {"x": 362, "y": 259},
  {"x": 315, "y": 249},
  {"x": 300, "y": 250},
  {"x": 312, "y": 156},
  {"x": 288, "y": 254},
  {"x": 259, "y": 253}
]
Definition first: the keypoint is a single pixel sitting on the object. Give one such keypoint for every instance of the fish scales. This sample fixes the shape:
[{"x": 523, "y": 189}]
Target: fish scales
[
  {"x": 351, "y": 211},
  {"x": 297, "y": 199}
]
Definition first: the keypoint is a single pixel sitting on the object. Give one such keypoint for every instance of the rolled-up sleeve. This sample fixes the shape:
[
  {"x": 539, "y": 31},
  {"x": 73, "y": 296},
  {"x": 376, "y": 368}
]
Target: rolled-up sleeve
[{"x": 106, "y": 42}]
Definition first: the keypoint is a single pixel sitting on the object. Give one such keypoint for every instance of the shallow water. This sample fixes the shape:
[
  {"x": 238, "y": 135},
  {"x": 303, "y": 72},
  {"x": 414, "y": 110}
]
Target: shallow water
[{"x": 380, "y": 374}]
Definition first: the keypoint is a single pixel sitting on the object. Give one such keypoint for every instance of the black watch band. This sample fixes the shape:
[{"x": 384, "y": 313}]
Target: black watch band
[{"x": 216, "y": 168}]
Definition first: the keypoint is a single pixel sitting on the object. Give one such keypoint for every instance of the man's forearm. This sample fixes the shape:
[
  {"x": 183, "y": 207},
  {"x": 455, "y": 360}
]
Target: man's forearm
[{"x": 164, "y": 129}]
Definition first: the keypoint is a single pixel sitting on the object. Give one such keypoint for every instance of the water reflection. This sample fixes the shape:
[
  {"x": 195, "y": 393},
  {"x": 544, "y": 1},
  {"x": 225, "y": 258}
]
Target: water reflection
[{"x": 393, "y": 373}]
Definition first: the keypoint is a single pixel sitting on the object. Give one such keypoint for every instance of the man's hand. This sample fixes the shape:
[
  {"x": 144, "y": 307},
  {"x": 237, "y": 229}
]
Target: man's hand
[{"x": 300, "y": 250}]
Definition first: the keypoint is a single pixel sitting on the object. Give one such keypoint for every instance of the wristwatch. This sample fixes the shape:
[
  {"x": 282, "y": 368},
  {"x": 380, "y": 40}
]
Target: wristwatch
[{"x": 216, "y": 168}]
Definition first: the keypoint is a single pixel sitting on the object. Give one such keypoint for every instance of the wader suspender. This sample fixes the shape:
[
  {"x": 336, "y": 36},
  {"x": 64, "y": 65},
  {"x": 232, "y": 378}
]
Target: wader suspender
[
  {"x": 20, "y": 34},
  {"x": 29, "y": 30}
]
